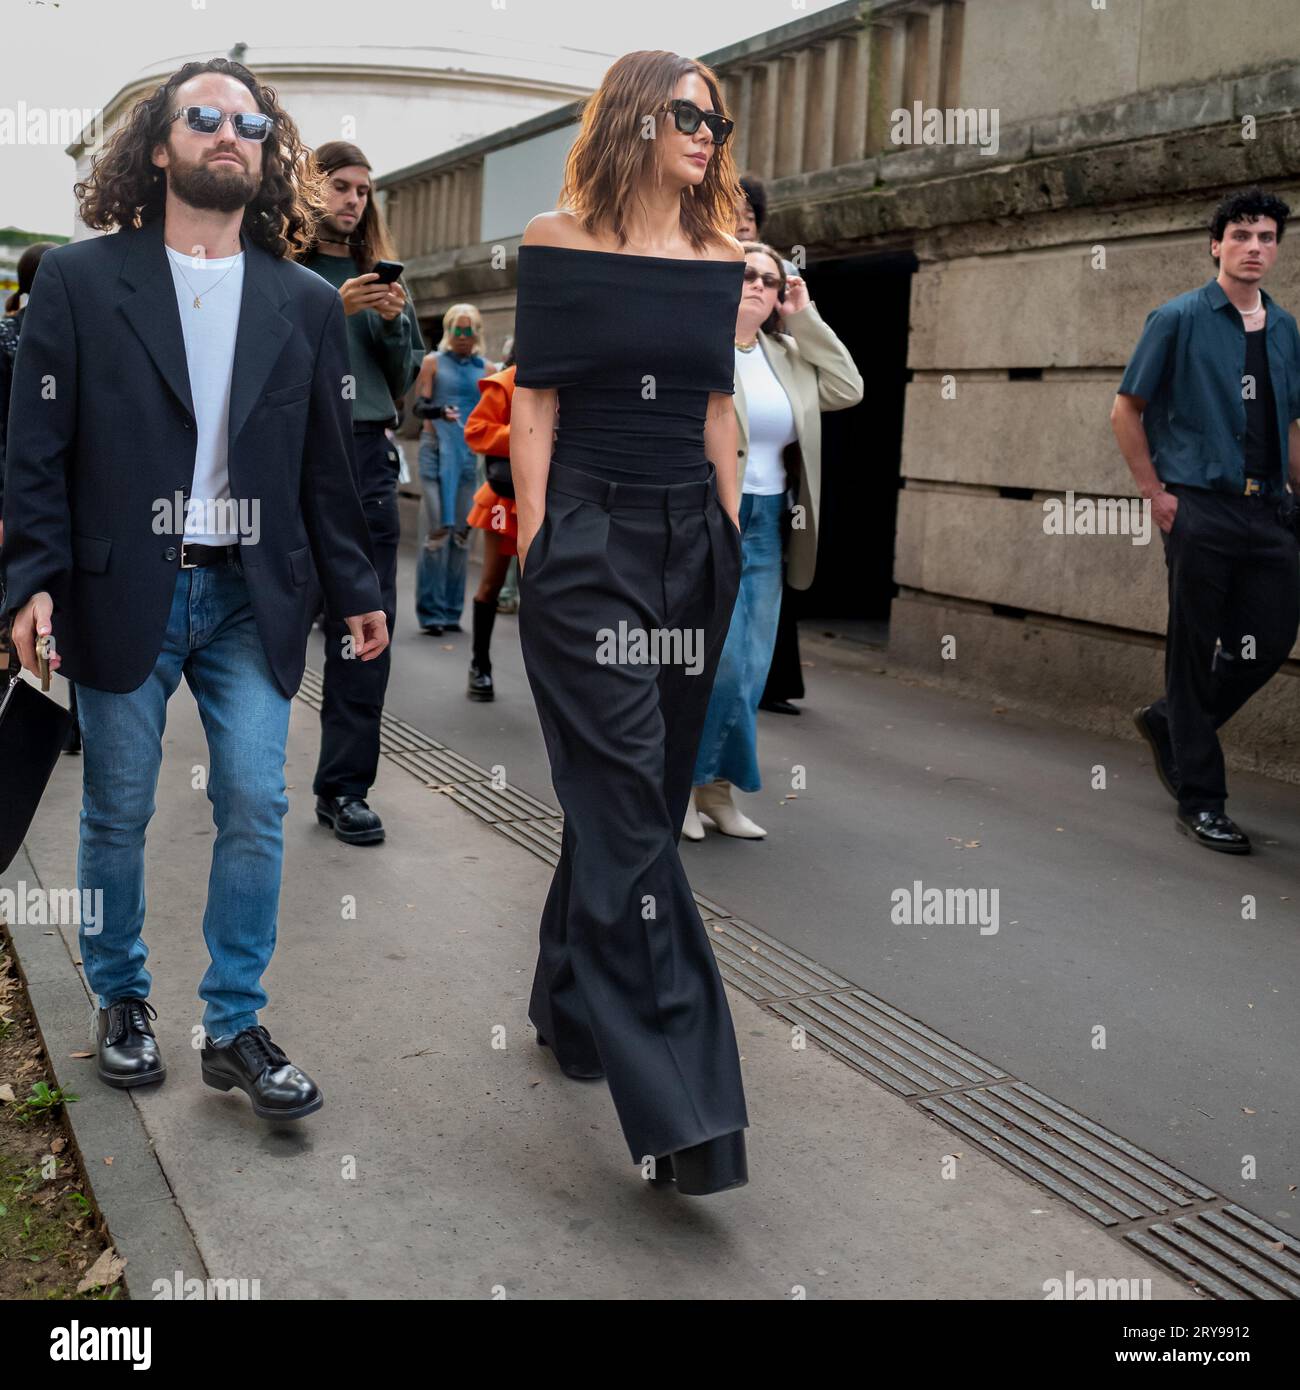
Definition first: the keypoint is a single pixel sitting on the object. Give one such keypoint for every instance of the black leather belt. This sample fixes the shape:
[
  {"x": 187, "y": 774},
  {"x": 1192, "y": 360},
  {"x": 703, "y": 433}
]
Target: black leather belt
[{"x": 194, "y": 556}]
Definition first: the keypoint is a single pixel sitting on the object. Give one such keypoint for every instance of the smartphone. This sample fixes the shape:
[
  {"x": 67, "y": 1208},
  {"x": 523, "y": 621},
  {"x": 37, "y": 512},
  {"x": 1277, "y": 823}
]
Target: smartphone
[{"x": 388, "y": 271}]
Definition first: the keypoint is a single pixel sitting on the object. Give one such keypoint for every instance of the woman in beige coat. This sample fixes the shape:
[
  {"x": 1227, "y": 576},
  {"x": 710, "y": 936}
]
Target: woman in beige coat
[{"x": 790, "y": 367}]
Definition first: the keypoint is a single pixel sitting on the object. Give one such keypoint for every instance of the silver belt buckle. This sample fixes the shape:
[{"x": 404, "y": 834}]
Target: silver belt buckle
[{"x": 184, "y": 564}]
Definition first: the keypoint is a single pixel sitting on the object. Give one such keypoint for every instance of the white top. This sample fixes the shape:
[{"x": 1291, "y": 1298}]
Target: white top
[
  {"x": 210, "y": 355},
  {"x": 771, "y": 422}
]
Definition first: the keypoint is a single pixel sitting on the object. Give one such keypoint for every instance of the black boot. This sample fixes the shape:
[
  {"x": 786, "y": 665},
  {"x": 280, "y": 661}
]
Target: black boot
[
  {"x": 251, "y": 1061},
  {"x": 712, "y": 1166},
  {"x": 351, "y": 819},
  {"x": 128, "y": 1050},
  {"x": 480, "y": 671}
]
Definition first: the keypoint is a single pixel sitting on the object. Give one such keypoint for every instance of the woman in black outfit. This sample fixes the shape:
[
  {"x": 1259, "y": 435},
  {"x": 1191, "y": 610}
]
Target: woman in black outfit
[{"x": 625, "y": 320}]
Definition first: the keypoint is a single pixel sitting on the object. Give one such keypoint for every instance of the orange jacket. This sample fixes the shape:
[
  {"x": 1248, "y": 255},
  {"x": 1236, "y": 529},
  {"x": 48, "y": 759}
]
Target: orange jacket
[{"x": 487, "y": 431}]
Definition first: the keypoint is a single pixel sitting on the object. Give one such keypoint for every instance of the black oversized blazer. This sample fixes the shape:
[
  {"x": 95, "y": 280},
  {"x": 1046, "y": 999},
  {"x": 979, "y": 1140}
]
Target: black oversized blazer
[{"x": 102, "y": 430}]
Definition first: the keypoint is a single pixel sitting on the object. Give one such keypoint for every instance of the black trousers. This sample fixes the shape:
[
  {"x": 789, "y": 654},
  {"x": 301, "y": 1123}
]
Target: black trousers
[
  {"x": 785, "y": 674},
  {"x": 1234, "y": 576},
  {"x": 626, "y": 979},
  {"x": 353, "y": 701}
]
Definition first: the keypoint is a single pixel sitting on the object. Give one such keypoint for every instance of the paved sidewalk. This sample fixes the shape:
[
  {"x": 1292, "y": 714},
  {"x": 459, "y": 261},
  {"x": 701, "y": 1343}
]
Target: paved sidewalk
[{"x": 443, "y": 1165}]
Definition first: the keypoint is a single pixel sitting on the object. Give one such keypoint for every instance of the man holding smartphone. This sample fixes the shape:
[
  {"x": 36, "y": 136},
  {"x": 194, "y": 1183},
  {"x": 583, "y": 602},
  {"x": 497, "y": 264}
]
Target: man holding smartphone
[{"x": 353, "y": 251}]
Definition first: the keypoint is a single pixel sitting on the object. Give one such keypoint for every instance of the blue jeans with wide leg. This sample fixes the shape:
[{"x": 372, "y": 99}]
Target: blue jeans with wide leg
[
  {"x": 211, "y": 639},
  {"x": 729, "y": 743}
]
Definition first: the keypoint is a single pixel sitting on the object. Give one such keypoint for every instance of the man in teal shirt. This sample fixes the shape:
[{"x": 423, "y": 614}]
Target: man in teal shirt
[
  {"x": 1206, "y": 420},
  {"x": 384, "y": 350}
]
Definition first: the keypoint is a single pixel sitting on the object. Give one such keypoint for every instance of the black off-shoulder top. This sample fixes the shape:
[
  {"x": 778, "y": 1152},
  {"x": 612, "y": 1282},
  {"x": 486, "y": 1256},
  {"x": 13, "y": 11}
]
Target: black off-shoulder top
[{"x": 634, "y": 345}]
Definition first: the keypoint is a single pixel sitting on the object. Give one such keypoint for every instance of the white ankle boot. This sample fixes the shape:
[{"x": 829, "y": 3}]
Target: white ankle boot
[
  {"x": 692, "y": 826},
  {"x": 713, "y": 800}
]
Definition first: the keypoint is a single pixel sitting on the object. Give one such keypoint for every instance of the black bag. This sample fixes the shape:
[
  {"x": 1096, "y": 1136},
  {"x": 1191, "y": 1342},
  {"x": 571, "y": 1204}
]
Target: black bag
[
  {"x": 32, "y": 732},
  {"x": 499, "y": 478}
]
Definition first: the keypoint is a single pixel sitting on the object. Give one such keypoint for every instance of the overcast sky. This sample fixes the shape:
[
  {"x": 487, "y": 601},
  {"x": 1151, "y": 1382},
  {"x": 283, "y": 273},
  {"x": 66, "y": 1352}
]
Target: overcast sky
[{"x": 77, "y": 53}]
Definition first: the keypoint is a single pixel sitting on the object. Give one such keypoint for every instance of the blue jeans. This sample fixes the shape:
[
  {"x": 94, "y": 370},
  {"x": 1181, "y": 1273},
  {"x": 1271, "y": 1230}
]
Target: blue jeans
[
  {"x": 212, "y": 639},
  {"x": 448, "y": 483},
  {"x": 728, "y": 749}
]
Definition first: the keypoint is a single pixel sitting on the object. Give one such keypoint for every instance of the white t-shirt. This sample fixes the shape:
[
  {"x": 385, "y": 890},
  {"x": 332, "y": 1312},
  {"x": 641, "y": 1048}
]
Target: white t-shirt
[
  {"x": 771, "y": 422},
  {"x": 210, "y": 355}
]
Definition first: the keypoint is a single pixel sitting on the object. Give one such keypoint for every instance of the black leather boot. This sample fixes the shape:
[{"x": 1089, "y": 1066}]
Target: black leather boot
[
  {"x": 480, "y": 671},
  {"x": 128, "y": 1051},
  {"x": 713, "y": 1166},
  {"x": 352, "y": 820},
  {"x": 251, "y": 1061}
]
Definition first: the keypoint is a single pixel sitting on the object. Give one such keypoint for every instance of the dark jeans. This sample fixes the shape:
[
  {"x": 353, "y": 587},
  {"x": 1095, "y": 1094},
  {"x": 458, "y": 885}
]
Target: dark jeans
[
  {"x": 353, "y": 702},
  {"x": 1233, "y": 576}
]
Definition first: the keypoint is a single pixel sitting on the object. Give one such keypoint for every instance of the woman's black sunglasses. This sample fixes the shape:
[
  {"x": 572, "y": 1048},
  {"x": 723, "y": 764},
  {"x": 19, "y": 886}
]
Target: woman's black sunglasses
[
  {"x": 688, "y": 117},
  {"x": 207, "y": 120}
]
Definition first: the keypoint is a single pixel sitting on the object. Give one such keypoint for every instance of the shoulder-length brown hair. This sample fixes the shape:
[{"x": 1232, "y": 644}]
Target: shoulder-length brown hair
[
  {"x": 371, "y": 240},
  {"x": 612, "y": 153},
  {"x": 126, "y": 189}
]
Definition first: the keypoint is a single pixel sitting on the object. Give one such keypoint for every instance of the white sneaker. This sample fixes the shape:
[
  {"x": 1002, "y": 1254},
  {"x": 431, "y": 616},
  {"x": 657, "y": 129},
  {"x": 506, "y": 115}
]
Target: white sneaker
[
  {"x": 692, "y": 826},
  {"x": 713, "y": 800}
]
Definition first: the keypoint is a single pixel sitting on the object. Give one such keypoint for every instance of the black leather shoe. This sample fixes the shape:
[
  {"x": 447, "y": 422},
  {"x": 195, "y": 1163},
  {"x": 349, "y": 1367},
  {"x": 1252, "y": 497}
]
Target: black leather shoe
[
  {"x": 128, "y": 1051},
  {"x": 592, "y": 1074},
  {"x": 352, "y": 820},
  {"x": 1156, "y": 734},
  {"x": 779, "y": 707},
  {"x": 713, "y": 1166},
  {"x": 251, "y": 1061},
  {"x": 480, "y": 684},
  {"x": 432, "y": 629},
  {"x": 1213, "y": 830}
]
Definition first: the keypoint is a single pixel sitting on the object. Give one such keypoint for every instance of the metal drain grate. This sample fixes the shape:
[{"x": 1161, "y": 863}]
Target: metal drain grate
[
  {"x": 895, "y": 1050},
  {"x": 1230, "y": 1253},
  {"x": 1221, "y": 1248},
  {"x": 1094, "y": 1170}
]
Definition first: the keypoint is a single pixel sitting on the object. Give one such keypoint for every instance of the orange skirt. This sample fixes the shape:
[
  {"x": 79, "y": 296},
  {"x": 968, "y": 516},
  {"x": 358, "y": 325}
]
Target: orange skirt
[{"x": 492, "y": 512}]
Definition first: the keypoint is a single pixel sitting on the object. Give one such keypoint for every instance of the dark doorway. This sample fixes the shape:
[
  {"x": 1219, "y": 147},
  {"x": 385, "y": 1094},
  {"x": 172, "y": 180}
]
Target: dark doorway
[{"x": 865, "y": 299}]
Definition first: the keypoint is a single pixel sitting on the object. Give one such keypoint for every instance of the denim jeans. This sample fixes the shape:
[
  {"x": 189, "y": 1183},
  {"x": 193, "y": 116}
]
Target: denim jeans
[
  {"x": 448, "y": 482},
  {"x": 211, "y": 639},
  {"x": 728, "y": 748}
]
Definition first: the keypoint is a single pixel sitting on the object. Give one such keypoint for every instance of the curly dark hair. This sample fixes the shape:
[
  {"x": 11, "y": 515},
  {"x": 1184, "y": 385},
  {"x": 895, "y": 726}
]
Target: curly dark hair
[
  {"x": 125, "y": 188},
  {"x": 1247, "y": 205}
]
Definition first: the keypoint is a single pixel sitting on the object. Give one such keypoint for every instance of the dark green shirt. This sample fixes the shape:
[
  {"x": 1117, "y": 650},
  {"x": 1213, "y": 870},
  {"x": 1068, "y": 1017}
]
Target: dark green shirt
[
  {"x": 1190, "y": 368},
  {"x": 385, "y": 356}
]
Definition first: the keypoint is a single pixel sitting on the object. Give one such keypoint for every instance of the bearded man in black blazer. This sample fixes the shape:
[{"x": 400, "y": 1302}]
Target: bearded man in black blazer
[{"x": 179, "y": 454}]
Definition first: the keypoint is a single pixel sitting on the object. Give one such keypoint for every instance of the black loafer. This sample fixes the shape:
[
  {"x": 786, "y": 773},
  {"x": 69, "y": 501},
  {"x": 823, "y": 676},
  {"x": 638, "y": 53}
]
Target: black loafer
[
  {"x": 251, "y": 1061},
  {"x": 1213, "y": 830},
  {"x": 480, "y": 684},
  {"x": 351, "y": 819},
  {"x": 575, "y": 1073},
  {"x": 1156, "y": 735},
  {"x": 432, "y": 629},
  {"x": 128, "y": 1051}
]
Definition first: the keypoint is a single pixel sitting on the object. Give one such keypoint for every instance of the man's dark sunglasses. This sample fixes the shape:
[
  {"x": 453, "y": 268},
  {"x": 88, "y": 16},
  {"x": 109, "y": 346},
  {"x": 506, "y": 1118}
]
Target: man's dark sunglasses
[
  {"x": 207, "y": 120},
  {"x": 688, "y": 117}
]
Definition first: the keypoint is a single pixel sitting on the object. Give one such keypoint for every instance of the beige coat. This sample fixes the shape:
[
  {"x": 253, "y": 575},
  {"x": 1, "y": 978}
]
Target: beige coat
[{"x": 818, "y": 374}]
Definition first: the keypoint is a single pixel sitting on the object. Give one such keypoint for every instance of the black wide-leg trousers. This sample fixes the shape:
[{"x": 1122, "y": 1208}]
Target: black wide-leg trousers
[
  {"x": 1234, "y": 579},
  {"x": 626, "y": 979},
  {"x": 352, "y": 705}
]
